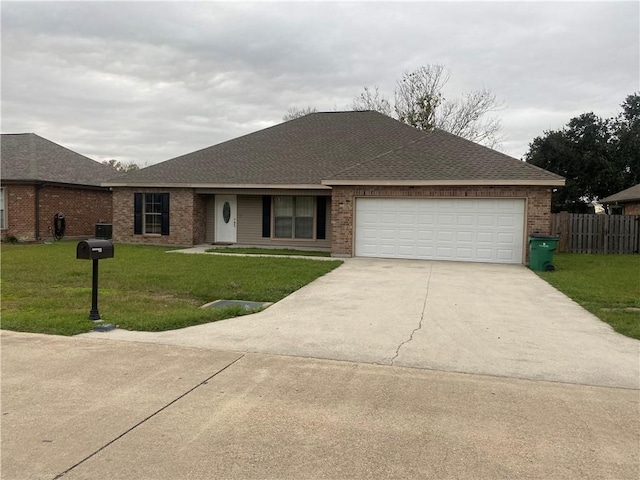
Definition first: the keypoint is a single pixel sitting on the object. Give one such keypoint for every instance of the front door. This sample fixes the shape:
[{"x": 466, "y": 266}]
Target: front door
[{"x": 226, "y": 213}]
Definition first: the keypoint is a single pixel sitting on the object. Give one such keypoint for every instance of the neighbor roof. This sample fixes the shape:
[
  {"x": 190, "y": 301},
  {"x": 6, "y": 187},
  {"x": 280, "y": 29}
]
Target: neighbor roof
[
  {"x": 27, "y": 157},
  {"x": 631, "y": 194},
  {"x": 340, "y": 147}
]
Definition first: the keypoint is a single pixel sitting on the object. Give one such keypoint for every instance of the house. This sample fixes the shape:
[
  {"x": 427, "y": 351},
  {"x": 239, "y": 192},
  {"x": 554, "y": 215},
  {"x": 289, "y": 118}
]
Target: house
[
  {"x": 40, "y": 179},
  {"x": 626, "y": 202},
  {"x": 352, "y": 183}
]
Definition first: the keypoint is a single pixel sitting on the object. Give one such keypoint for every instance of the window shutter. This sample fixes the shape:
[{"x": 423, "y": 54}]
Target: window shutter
[
  {"x": 164, "y": 197},
  {"x": 137, "y": 214},
  {"x": 266, "y": 216},
  {"x": 321, "y": 218}
]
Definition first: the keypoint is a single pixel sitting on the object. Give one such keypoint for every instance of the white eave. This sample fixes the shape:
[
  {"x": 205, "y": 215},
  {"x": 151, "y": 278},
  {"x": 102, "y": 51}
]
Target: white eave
[
  {"x": 418, "y": 183},
  {"x": 218, "y": 185}
]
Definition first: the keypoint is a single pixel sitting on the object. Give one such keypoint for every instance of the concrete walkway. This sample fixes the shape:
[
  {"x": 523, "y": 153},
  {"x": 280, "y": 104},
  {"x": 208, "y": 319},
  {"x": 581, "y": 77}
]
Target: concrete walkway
[
  {"x": 488, "y": 319},
  {"x": 77, "y": 408}
]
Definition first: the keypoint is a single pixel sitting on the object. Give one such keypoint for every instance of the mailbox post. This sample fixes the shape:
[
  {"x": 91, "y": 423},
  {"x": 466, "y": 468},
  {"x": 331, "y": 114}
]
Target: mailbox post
[{"x": 94, "y": 249}]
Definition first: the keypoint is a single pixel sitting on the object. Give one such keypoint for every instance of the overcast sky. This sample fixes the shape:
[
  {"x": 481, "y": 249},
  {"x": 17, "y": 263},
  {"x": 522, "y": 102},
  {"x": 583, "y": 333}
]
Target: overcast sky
[{"x": 148, "y": 81}]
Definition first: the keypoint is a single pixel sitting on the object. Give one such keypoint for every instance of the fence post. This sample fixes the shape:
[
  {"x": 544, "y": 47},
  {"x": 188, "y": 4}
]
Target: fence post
[{"x": 560, "y": 227}]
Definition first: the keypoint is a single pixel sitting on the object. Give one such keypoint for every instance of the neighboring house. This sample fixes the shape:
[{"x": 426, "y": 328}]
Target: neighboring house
[
  {"x": 626, "y": 202},
  {"x": 353, "y": 183},
  {"x": 40, "y": 179}
]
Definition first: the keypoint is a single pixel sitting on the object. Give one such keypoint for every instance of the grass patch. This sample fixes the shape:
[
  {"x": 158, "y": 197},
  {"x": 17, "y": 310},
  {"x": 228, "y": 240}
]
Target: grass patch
[
  {"x": 606, "y": 285},
  {"x": 46, "y": 290},
  {"x": 270, "y": 251}
]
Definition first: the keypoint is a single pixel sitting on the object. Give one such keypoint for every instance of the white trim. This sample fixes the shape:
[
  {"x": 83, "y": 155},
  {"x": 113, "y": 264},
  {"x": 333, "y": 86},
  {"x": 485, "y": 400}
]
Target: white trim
[
  {"x": 220, "y": 185},
  {"x": 448, "y": 183}
]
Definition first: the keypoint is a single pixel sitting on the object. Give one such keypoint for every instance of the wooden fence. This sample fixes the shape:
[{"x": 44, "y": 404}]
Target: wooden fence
[{"x": 596, "y": 233}]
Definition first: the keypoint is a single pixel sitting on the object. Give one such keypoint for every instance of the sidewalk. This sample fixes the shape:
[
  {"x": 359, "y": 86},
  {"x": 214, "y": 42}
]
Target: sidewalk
[{"x": 89, "y": 408}]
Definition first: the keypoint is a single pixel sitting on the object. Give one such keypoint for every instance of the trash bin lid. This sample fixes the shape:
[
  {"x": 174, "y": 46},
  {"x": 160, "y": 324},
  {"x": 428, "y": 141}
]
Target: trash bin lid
[{"x": 543, "y": 237}]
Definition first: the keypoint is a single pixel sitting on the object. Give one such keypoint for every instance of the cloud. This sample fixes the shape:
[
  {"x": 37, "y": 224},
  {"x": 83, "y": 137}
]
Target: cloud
[{"x": 147, "y": 81}]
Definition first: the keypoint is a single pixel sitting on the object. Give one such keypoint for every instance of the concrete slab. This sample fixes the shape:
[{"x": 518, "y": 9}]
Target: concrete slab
[
  {"x": 465, "y": 317},
  {"x": 284, "y": 417},
  {"x": 64, "y": 399}
]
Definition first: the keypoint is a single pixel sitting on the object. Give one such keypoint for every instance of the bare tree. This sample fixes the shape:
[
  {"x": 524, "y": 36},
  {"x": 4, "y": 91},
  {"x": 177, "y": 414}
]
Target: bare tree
[
  {"x": 295, "y": 112},
  {"x": 371, "y": 99},
  {"x": 122, "y": 167},
  {"x": 468, "y": 117},
  {"x": 418, "y": 96},
  {"x": 419, "y": 101}
]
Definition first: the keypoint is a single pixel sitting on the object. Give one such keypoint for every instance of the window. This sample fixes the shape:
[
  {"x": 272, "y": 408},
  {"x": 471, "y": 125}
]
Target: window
[
  {"x": 151, "y": 213},
  {"x": 3, "y": 215},
  {"x": 293, "y": 217}
]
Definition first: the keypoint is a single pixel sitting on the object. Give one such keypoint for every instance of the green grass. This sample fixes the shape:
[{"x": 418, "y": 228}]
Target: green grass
[
  {"x": 45, "y": 289},
  {"x": 270, "y": 251},
  {"x": 606, "y": 285}
]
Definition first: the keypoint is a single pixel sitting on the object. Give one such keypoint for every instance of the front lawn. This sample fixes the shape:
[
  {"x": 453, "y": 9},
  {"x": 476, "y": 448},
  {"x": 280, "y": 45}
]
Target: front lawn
[
  {"x": 45, "y": 289},
  {"x": 606, "y": 285}
]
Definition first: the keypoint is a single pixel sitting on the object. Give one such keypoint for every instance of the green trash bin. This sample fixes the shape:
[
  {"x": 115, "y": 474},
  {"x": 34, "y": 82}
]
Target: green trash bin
[{"x": 541, "y": 248}]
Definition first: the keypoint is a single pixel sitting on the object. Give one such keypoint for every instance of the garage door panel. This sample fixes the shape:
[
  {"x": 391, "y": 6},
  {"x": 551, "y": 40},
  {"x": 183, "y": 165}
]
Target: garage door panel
[
  {"x": 505, "y": 255},
  {"x": 466, "y": 237},
  {"x": 505, "y": 238},
  {"x": 445, "y": 236},
  {"x": 484, "y": 230},
  {"x": 446, "y": 220},
  {"x": 405, "y": 219},
  {"x": 484, "y": 237}
]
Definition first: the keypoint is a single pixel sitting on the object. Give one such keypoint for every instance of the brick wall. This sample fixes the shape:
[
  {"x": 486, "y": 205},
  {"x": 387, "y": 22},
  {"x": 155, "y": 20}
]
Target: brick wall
[
  {"x": 632, "y": 208},
  {"x": 185, "y": 215},
  {"x": 82, "y": 209},
  {"x": 538, "y": 206},
  {"x": 20, "y": 211},
  {"x": 199, "y": 219}
]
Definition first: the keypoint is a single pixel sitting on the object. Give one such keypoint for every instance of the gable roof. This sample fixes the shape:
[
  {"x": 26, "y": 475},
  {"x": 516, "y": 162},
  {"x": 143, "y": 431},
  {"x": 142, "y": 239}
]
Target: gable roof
[
  {"x": 27, "y": 157},
  {"x": 350, "y": 147},
  {"x": 631, "y": 194}
]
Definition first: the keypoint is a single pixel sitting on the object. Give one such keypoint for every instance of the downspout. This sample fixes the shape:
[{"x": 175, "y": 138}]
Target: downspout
[{"x": 37, "y": 232}]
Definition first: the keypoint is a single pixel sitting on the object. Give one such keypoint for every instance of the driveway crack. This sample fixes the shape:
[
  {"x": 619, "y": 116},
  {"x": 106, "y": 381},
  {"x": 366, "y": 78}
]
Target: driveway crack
[
  {"x": 424, "y": 307},
  {"x": 204, "y": 382}
]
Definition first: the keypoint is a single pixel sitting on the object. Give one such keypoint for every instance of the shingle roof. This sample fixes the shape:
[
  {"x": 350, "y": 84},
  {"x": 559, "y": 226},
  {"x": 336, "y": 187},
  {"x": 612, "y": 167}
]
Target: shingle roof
[
  {"x": 349, "y": 146},
  {"x": 629, "y": 195},
  {"x": 28, "y": 157}
]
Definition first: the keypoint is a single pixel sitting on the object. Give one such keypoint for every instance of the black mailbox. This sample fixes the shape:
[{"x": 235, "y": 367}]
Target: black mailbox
[{"x": 94, "y": 249}]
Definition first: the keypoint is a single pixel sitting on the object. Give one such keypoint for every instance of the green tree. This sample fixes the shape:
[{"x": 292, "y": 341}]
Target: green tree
[
  {"x": 598, "y": 157},
  {"x": 627, "y": 141}
]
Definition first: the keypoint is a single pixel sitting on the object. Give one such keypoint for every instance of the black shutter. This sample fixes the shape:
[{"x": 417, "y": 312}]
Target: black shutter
[
  {"x": 266, "y": 216},
  {"x": 137, "y": 214},
  {"x": 321, "y": 218},
  {"x": 164, "y": 197}
]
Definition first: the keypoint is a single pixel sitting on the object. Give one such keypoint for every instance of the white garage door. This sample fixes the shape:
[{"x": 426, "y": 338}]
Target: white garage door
[{"x": 467, "y": 230}]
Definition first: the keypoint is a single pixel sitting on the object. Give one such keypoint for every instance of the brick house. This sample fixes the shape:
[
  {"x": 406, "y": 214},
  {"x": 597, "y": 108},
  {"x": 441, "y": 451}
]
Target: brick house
[
  {"x": 626, "y": 202},
  {"x": 40, "y": 179},
  {"x": 352, "y": 183}
]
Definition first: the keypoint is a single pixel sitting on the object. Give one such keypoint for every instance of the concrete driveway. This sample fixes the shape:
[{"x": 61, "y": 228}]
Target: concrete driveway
[{"x": 488, "y": 319}]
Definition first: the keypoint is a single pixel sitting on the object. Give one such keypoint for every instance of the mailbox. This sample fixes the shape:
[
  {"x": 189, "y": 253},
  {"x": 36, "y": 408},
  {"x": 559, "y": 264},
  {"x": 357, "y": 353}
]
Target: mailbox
[{"x": 94, "y": 249}]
